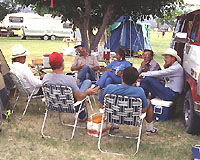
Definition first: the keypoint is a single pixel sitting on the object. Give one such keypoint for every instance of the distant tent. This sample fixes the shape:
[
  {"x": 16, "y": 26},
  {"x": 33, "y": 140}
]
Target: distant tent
[{"x": 128, "y": 34}]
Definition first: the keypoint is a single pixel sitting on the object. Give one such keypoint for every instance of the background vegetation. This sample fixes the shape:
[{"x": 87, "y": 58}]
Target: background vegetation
[{"x": 22, "y": 139}]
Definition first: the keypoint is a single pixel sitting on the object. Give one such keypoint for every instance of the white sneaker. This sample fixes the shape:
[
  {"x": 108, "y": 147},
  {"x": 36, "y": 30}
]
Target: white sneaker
[{"x": 152, "y": 132}]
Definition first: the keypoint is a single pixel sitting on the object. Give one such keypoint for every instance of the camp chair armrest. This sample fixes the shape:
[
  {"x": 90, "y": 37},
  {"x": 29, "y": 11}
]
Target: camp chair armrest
[
  {"x": 143, "y": 115},
  {"x": 80, "y": 102}
]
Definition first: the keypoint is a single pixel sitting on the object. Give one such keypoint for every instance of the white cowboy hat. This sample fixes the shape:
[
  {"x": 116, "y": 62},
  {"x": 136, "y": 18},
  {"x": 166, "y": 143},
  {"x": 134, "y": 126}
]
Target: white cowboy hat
[
  {"x": 19, "y": 51},
  {"x": 172, "y": 52}
]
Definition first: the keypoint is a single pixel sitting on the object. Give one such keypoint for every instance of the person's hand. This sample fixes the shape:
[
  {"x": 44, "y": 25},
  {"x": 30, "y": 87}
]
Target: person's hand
[
  {"x": 81, "y": 66},
  {"x": 140, "y": 76},
  {"x": 108, "y": 69},
  {"x": 118, "y": 73},
  {"x": 143, "y": 64},
  {"x": 92, "y": 91},
  {"x": 165, "y": 66},
  {"x": 41, "y": 77}
]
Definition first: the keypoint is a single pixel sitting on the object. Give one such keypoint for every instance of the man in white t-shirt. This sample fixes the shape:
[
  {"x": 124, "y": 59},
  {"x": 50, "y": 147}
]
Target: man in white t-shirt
[{"x": 31, "y": 83}]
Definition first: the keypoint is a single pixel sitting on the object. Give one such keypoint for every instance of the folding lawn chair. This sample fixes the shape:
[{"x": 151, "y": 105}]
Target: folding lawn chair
[
  {"x": 22, "y": 90},
  {"x": 60, "y": 98},
  {"x": 122, "y": 110}
]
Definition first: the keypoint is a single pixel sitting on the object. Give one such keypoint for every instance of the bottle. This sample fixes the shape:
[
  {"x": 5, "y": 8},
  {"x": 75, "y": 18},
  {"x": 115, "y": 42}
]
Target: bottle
[{"x": 117, "y": 69}]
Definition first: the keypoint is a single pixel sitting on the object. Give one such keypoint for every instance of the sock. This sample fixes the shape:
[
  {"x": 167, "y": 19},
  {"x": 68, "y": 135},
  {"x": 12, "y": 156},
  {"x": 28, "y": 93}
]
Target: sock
[{"x": 149, "y": 126}]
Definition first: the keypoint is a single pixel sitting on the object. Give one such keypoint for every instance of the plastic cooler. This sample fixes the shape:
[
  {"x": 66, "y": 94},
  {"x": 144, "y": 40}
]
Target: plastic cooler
[
  {"x": 161, "y": 109},
  {"x": 196, "y": 152},
  {"x": 46, "y": 61}
]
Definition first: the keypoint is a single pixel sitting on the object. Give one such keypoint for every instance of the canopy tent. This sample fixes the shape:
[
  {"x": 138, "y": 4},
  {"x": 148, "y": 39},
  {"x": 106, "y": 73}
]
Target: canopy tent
[{"x": 128, "y": 34}]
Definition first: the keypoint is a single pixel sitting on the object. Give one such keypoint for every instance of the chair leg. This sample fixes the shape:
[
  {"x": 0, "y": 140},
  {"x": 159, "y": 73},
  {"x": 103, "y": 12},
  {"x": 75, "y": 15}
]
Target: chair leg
[
  {"x": 95, "y": 103},
  {"x": 29, "y": 99},
  {"x": 15, "y": 103},
  {"x": 100, "y": 136},
  {"x": 69, "y": 125},
  {"x": 139, "y": 137},
  {"x": 90, "y": 103},
  {"x": 43, "y": 125}
]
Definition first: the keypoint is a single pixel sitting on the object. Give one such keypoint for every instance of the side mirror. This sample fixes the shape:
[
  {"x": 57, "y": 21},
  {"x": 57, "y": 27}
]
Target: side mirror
[{"x": 180, "y": 37}]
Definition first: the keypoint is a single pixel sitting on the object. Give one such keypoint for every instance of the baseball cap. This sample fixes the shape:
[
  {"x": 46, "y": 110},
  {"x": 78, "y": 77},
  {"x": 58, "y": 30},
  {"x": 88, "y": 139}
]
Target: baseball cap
[
  {"x": 55, "y": 59},
  {"x": 79, "y": 44}
]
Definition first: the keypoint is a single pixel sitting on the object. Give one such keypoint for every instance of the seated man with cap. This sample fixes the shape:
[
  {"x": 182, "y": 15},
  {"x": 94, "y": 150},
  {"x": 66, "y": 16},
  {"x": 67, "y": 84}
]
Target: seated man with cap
[
  {"x": 84, "y": 63},
  {"x": 57, "y": 77},
  {"x": 31, "y": 83},
  {"x": 172, "y": 73}
]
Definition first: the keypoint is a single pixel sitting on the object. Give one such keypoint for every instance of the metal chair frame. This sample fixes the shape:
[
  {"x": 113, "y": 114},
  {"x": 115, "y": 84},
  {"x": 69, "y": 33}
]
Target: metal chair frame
[
  {"x": 21, "y": 90},
  {"x": 122, "y": 110},
  {"x": 60, "y": 98}
]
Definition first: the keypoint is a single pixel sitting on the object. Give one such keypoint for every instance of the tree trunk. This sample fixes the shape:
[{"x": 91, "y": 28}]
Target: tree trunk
[{"x": 86, "y": 31}]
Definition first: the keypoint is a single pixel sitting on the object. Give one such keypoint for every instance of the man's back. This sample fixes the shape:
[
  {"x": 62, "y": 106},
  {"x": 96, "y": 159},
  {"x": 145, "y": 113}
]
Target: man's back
[
  {"x": 125, "y": 90},
  {"x": 26, "y": 76},
  {"x": 60, "y": 79}
]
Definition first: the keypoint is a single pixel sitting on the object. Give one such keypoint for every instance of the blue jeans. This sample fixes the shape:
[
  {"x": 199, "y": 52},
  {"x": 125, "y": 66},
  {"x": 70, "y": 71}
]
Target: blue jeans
[
  {"x": 108, "y": 78},
  {"x": 150, "y": 84},
  {"x": 86, "y": 73},
  {"x": 83, "y": 86}
]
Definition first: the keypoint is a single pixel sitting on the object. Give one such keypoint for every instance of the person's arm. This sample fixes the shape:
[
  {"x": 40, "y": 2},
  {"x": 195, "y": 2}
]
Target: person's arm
[
  {"x": 96, "y": 68},
  {"x": 80, "y": 96},
  {"x": 75, "y": 66},
  {"x": 30, "y": 78},
  {"x": 143, "y": 65},
  {"x": 107, "y": 69},
  {"x": 96, "y": 64},
  {"x": 165, "y": 72}
]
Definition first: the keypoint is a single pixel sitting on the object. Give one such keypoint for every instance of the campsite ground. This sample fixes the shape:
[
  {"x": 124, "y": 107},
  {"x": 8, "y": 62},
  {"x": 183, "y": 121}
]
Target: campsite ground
[{"x": 22, "y": 139}]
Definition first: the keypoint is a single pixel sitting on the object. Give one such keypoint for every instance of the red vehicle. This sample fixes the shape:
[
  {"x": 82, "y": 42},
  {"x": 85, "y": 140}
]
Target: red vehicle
[{"x": 186, "y": 41}]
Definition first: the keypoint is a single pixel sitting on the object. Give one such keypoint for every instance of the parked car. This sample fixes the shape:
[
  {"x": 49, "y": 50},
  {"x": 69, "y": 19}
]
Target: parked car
[
  {"x": 186, "y": 41},
  {"x": 4, "y": 32}
]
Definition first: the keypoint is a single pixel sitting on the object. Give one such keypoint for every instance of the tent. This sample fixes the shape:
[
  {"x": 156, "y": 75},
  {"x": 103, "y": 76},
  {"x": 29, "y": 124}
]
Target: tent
[
  {"x": 128, "y": 34},
  {"x": 6, "y": 82}
]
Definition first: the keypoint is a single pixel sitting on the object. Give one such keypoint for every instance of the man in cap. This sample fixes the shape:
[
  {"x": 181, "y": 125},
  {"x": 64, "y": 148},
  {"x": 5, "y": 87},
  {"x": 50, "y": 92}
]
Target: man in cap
[
  {"x": 57, "y": 77},
  {"x": 85, "y": 64},
  {"x": 172, "y": 73},
  {"x": 31, "y": 83}
]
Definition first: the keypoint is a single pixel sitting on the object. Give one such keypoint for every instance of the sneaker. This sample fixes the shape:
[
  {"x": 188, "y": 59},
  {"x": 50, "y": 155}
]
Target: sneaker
[
  {"x": 152, "y": 132},
  {"x": 114, "y": 128}
]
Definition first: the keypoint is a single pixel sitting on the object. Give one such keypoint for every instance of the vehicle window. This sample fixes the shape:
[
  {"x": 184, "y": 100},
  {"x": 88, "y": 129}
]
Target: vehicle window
[
  {"x": 16, "y": 19},
  {"x": 195, "y": 28},
  {"x": 178, "y": 24}
]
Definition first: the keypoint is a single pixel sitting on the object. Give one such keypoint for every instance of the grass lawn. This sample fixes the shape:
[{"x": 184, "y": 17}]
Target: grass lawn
[{"x": 22, "y": 139}]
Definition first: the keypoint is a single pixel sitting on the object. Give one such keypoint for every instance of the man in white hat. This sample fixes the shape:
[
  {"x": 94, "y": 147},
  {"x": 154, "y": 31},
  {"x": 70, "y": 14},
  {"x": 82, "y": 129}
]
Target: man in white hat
[
  {"x": 22, "y": 71},
  {"x": 172, "y": 73},
  {"x": 85, "y": 64}
]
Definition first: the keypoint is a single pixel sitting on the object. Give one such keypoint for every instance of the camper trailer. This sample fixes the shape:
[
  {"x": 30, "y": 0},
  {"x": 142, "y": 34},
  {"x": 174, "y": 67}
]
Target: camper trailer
[{"x": 34, "y": 25}]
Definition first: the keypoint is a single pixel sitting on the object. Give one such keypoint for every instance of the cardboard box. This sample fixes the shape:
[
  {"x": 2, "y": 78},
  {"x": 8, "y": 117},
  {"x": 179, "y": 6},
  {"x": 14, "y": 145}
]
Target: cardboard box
[{"x": 161, "y": 109}]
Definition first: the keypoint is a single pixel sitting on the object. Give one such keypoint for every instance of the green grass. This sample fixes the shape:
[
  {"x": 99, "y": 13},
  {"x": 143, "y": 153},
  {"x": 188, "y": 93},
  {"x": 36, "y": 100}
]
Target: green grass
[{"x": 22, "y": 139}]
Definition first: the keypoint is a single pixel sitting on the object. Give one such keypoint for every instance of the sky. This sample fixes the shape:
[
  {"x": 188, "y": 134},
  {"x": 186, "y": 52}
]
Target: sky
[{"x": 192, "y": 1}]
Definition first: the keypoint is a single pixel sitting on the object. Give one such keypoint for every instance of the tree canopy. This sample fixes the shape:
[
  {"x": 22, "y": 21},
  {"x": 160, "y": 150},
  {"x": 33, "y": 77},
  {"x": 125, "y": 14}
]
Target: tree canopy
[
  {"x": 99, "y": 14},
  {"x": 8, "y": 6}
]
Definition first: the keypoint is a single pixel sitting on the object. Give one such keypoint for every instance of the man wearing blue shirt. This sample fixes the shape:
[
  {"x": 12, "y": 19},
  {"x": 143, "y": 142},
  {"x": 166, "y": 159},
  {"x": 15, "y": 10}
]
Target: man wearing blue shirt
[{"x": 128, "y": 88}]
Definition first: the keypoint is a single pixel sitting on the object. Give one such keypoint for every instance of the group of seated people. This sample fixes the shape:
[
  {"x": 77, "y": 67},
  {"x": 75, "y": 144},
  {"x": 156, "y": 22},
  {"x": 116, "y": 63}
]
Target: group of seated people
[{"x": 119, "y": 77}]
